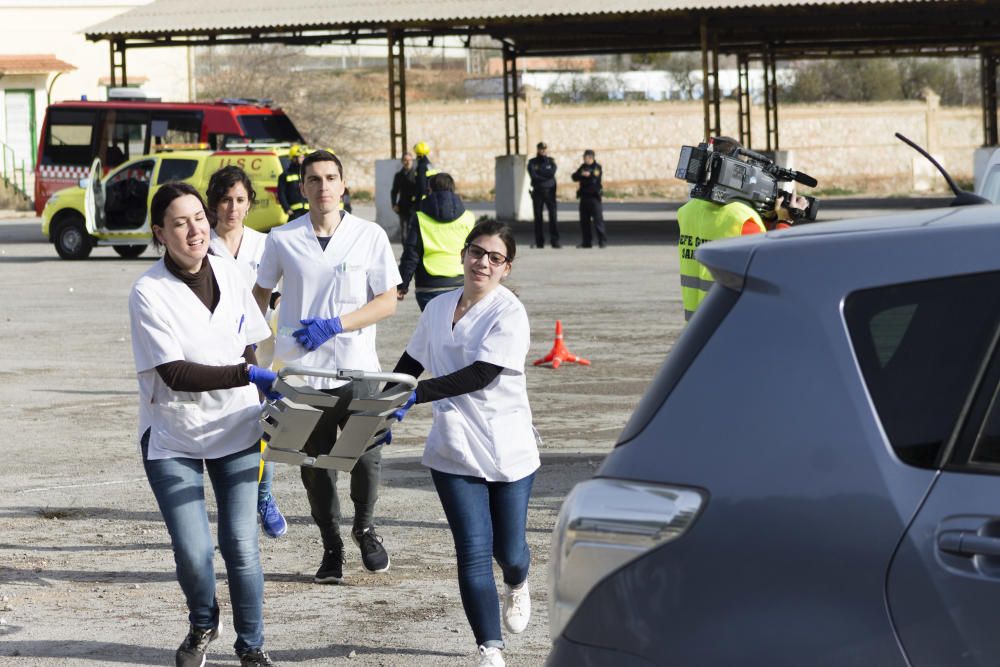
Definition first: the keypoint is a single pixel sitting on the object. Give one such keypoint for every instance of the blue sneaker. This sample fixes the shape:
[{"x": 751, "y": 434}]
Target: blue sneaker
[{"x": 271, "y": 521}]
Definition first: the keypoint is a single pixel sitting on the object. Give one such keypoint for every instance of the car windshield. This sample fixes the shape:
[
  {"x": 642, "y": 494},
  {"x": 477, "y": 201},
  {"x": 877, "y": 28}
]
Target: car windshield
[{"x": 269, "y": 128}]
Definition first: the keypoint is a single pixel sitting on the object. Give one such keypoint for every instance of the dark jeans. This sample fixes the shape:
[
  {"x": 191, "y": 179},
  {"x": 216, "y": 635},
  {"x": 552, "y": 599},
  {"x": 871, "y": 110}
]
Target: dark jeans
[
  {"x": 424, "y": 298},
  {"x": 487, "y": 520},
  {"x": 591, "y": 209},
  {"x": 179, "y": 487},
  {"x": 546, "y": 198},
  {"x": 321, "y": 483}
]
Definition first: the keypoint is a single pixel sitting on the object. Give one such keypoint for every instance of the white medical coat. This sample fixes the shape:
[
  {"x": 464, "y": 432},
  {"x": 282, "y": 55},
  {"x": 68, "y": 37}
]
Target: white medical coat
[
  {"x": 356, "y": 266},
  {"x": 170, "y": 323},
  {"x": 486, "y": 433},
  {"x": 248, "y": 256},
  {"x": 247, "y": 260}
]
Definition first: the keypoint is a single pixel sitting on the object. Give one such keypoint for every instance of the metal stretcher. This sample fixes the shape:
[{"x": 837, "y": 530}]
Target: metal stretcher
[{"x": 289, "y": 421}]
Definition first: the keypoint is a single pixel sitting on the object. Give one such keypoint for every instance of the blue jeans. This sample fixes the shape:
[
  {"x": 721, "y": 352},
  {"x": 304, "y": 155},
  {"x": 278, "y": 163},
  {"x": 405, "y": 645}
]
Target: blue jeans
[
  {"x": 266, "y": 480},
  {"x": 178, "y": 485},
  {"x": 487, "y": 520}
]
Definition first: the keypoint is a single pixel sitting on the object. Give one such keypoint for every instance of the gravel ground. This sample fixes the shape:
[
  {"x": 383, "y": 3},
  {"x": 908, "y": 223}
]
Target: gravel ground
[{"x": 86, "y": 571}]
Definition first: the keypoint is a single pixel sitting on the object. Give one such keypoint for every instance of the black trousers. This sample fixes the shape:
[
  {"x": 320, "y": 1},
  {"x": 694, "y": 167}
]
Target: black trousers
[
  {"x": 591, "y": 210},
  {"x": 321, "y": 484},
  {"x": 546, "y": 198},
  {"x": 404, "y": 221}
]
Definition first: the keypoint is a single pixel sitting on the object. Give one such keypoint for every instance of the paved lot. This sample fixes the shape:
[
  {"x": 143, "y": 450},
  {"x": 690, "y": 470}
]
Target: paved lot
[{"x": 86, "y": 572}]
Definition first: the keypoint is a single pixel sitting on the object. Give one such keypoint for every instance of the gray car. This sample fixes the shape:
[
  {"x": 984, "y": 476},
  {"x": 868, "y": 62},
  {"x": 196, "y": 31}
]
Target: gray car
[{"x": 813, "y": 477}]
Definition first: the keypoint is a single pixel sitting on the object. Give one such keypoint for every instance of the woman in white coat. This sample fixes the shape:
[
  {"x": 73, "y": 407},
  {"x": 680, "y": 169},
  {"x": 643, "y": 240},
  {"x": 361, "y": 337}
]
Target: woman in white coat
[
  {"x": 482, "y": 449},
  {"x": 230, "y": 197},
  {"x": 194, "y": 323}
]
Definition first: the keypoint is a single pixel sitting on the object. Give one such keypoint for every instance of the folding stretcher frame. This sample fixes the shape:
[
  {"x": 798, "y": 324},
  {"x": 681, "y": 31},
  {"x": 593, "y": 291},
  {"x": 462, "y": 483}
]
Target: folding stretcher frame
[{"x": 289, "y": 421}]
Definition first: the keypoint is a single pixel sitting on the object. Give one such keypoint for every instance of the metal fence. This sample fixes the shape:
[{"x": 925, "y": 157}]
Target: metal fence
[{"x": 14, "y": 174}]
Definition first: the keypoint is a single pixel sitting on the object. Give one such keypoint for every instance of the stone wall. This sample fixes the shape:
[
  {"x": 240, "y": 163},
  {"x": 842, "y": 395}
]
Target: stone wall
[{"x": 849, "y": 146}]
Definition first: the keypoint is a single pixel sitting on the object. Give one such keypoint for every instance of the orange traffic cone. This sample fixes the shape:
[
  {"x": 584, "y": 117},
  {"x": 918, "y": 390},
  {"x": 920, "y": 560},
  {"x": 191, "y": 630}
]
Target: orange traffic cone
[{"x": 559, "y": 352}]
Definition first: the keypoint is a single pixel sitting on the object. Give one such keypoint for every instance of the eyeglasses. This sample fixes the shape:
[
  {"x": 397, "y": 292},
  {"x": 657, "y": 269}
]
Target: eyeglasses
[{"x": 477, "y": 252}]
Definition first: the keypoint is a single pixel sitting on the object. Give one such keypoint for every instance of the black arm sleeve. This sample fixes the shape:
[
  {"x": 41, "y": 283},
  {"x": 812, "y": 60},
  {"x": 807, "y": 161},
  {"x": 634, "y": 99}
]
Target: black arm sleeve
[
  {"x": 189, "y": 376},
  {"x": 473, "y": 377},
  {"x": 413, "y": 252},
  {"x": 282, "y": 199},
  {"x": 394, "y": 193}
]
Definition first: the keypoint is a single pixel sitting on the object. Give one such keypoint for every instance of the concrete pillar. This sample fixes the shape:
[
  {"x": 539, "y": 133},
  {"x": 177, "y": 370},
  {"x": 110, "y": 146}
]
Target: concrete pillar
[
  {"x": 786, "y": 159},
  {"x": 532, "y": 118},
  {"x": 980, "y": 160},
  {"x": 385, "y": 170},
  {"x": 513, "y": 203}
]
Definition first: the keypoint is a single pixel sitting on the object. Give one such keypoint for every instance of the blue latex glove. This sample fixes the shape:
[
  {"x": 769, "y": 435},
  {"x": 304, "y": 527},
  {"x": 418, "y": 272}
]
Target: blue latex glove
[
  {"x": 264, "y": 378},
  {"x": 386, "y": 439},
  {"x": 401, "y": 411},
  {"x": 317, "y": 331}
]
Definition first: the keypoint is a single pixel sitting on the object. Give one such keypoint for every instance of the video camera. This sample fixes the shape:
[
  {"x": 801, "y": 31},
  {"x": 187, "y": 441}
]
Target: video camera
[{"x": 722, "y": 178}]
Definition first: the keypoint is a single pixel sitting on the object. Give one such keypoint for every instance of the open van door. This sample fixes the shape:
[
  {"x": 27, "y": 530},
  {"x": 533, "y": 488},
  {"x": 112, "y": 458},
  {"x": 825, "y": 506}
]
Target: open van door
[{"x": 94, "y": 199}]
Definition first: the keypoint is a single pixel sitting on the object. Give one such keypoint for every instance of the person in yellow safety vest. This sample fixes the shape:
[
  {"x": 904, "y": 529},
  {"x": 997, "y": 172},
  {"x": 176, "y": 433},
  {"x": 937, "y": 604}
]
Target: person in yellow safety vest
[
  {"x": 702, "y": 221},
  {"x": 290, "y": 196},
  {"x": 424, "y": 168},
  {"x": 432, "y": 250}
]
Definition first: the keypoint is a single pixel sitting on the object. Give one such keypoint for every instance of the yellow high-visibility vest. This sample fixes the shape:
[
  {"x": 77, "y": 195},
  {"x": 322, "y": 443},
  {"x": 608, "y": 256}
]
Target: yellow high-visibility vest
[
  {"x": 443, "y": 243},
  {"x": 702, "y": 221}
]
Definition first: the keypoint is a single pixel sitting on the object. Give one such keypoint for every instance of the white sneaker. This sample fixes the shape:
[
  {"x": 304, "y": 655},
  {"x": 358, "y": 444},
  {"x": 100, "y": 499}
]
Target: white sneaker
[
  {"x": 491, "y": 657},
  {"x": 516, "y": 608}
]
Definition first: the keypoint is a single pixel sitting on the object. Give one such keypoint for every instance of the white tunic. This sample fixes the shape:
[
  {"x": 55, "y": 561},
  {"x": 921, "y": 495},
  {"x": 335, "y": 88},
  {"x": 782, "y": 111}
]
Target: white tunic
[
  {"x": 170, "y": 323},
  {"x": 248, "y": 256},
  {"x": 247, "y": 260},
  {"x": 356, "y": 266},
  {"x": 486, "y": 433}
]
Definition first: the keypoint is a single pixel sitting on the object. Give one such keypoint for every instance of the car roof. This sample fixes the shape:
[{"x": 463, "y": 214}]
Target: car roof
[{"x": 730, "y": 259}]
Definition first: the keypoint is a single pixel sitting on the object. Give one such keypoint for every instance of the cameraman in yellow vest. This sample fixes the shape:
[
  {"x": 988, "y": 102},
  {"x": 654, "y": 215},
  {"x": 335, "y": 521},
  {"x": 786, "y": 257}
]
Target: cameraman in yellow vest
[
  {"x": 701, "y": 221},
  {"x": 435, "y": 236}
]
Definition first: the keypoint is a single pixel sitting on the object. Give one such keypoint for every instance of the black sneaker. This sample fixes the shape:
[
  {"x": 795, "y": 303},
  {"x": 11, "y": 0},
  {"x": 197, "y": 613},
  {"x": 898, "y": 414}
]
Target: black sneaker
[
  {"x": 557, "y": 245},
  {"x": 331, "y": 570},
  {"x": 373, "y": 555},
  {"x": 192, "y": 650},
  {"x": 255, "y": 657}
]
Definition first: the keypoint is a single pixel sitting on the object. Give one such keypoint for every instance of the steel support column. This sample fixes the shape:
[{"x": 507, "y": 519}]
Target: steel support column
[
  {"x": 510, "y": 94},
  {"x": 119, "y": 75},
  {"x": 771, "y": 98},
  {"x": 988, "y": 82},
  {"x": 710, "y": 81},
  {"x": 744, "y": 99},
  {"x": 397, "y": 94}
]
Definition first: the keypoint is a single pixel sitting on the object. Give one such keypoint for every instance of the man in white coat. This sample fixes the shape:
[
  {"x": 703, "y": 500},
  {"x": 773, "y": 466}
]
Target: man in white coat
[{"x": 339, "y": 278}]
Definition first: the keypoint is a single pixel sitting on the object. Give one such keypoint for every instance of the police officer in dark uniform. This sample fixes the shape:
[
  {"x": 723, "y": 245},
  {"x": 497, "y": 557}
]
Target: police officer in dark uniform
[
  {"x": 290, "y": 195},
  {"x": 589, "y": 193},
  {"x": 542, "y": 170},
  {"x": 404, "y": 192}
]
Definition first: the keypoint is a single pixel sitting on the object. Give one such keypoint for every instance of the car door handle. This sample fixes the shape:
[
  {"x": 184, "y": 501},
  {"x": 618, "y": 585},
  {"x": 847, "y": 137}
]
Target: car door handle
[{"x": 963, "y": 543}]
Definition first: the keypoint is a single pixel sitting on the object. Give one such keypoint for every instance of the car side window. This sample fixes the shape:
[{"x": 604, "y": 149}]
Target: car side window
[
  {"x": 141, "y": 171},
  {"x": 174, "y": 169},
  {"x": 921, "y": 347}
]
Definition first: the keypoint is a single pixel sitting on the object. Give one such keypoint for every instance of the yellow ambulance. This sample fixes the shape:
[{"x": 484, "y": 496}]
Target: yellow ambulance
[{"x": 113, "y": 210}]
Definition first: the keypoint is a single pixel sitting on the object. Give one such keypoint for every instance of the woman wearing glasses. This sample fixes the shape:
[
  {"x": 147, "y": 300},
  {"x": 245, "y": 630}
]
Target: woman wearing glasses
[{"x": 482, "y": 449}]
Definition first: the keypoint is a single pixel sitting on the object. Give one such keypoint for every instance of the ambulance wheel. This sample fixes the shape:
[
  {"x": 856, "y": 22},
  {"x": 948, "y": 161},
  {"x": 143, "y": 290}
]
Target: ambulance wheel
[
  {"x": 129, "y": 251},
  {"x": 72, "y": 240}
]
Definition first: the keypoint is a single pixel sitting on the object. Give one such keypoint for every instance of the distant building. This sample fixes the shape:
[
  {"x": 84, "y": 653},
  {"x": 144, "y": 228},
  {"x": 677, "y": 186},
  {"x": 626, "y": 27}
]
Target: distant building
[{"x": 45, "y": 57}]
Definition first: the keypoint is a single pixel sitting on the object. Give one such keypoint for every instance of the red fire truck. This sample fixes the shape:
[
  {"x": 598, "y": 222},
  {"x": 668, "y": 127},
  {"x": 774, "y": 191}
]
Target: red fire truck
[{"x": 74, "y": 133}]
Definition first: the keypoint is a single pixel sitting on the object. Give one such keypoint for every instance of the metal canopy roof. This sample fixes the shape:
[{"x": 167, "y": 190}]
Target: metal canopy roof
[{"x": 794, "y": 28}]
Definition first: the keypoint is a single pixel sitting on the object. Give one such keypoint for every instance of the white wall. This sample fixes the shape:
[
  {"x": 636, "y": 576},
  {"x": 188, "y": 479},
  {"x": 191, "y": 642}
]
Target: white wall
[{"x": 57, "y": 27}]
